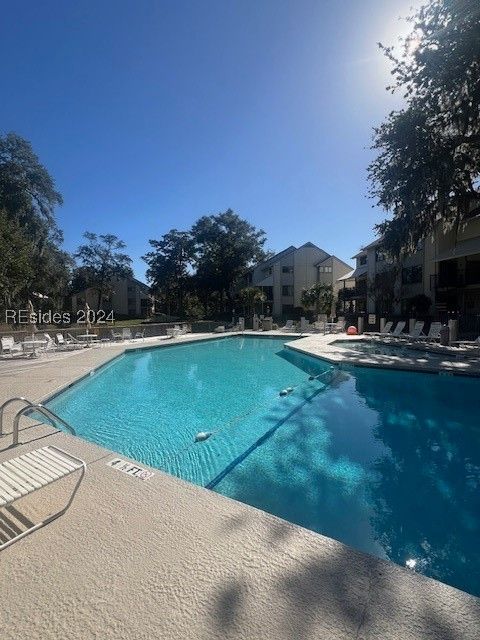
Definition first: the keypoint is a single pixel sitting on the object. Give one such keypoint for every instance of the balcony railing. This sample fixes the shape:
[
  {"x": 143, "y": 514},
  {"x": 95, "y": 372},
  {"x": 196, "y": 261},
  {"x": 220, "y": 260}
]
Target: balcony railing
[
  {"x": 360, "y": 291},
  {"x": 455, "y": 280}
]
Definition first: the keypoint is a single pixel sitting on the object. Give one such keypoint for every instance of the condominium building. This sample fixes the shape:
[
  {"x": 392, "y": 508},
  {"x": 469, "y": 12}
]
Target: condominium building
[
  {"x": 129, "y": 297},
  {"x": 284, "y": 276},
  {"x": 445, "y": 269}
]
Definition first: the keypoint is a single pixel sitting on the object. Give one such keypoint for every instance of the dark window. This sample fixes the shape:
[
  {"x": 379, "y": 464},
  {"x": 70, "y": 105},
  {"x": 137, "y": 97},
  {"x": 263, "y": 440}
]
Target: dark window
[
  {"x": 131, "y": 303},
  {"x": 267, "y": 271},
  {"x": 287, "y": 309},
  {"x": 362, "y": 261},
  {"x": 287, "y": 269},
  {"x": 130, "y": 288},
  {"x": 412, "y": 275},
  {"x": 379, "y": 255},
  {"x": 287, "y": 290},
  {"x": 325, "y": 269},
  {"x": 472, "y": 272}
]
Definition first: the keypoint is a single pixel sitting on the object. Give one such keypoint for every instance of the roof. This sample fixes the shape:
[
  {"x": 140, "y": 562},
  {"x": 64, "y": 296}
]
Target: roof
[
  {"x": 363, "y": 250},
  {"x": 347, "y": 276},
  {"x": 144, "y": 287},
  {"x": 274, "y": 258},
  {"x": 356, "y": 273},
  {"x": 333, "y": 258}
]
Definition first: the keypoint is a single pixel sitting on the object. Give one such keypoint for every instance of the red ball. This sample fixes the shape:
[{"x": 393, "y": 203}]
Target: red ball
[{"x": 352, "y": 331}]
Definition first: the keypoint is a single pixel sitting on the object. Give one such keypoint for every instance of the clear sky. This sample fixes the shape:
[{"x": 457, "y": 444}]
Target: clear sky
[{"x": 149, "y": 114}]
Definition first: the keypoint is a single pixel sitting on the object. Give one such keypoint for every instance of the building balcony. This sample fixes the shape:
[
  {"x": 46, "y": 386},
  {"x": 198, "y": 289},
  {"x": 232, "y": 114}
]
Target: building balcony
[
  {"x": 352, "y": 293},
  {"x": 455, "y": 280}
]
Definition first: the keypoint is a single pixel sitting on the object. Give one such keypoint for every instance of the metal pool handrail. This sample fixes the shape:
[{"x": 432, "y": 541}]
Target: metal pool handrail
[
  {"x": 29, "y": 406},
  {"x": 43, "y": 410},
  {"x": 5, "y": 405}
]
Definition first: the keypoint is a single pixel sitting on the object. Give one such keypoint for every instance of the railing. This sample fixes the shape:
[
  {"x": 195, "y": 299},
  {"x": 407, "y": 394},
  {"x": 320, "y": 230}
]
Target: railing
[
  {"x": 352, "y": 292},
  {"x": 31, "y": 406},
  {"x": 455, "y": 279}
]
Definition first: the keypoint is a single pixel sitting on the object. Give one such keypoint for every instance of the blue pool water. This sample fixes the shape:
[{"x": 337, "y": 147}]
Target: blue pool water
[{"x": 385, "y": 461}]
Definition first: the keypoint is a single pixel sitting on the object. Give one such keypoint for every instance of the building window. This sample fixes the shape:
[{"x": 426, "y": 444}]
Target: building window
[
  {"x": 287, "y": 290},
  {"x": 287, "y": 309},
  {"x": 287, "y": 269},
  {"x": 325, "y": 269},
  {"x": 130, "y": 288},
  {"x": 267, "y": 271},
  {"x": 412, "y": 275},
  {"x": 380, "y": 256},
  {"x": 362, "y": 261}
]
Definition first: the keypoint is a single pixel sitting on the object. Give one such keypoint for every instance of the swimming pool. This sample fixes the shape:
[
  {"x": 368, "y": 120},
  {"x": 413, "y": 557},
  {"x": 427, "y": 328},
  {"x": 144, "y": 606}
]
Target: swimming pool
[{"x": 385, "y": 461}]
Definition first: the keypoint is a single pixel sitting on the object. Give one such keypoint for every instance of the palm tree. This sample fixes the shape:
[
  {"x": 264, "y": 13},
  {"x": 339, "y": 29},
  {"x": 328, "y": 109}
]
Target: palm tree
[{"x": 250, "y": 297}]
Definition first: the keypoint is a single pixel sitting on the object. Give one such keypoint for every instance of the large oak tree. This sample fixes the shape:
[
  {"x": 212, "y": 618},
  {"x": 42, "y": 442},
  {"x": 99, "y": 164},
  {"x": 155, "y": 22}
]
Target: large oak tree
[{"x": 427, "y": 167}]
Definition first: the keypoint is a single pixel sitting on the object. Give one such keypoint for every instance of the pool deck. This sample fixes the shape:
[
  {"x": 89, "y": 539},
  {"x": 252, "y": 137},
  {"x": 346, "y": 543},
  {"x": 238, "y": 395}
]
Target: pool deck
[{"x": 166, "y": 559}]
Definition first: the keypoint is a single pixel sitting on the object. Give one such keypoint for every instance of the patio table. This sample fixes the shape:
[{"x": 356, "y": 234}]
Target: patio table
[{"x": 32, "y": 345}]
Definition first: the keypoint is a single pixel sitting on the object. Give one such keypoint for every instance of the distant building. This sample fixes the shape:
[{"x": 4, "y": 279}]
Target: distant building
[
  {"x": 283, "y": 277},
  {"x": 445, "y": 268},
  {"x": 130, "y": 298}
]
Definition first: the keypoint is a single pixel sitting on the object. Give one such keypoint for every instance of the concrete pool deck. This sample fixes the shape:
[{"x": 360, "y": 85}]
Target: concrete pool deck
[{"x": 165, "y": 559}]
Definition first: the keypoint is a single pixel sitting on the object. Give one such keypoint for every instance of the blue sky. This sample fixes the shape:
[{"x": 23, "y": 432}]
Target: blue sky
[{"x": 151, "y": 114}]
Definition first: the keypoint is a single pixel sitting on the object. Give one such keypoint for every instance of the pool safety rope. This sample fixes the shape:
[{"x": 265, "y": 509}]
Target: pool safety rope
[{"x": 203, "y": 436}]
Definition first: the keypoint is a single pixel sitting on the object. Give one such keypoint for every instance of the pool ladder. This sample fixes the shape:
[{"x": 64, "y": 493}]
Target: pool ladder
[{"x": 28, "y": 407}]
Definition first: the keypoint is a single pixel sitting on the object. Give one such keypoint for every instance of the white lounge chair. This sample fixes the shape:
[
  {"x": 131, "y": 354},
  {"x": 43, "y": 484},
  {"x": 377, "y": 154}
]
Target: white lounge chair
[
  {"x": 126, "y": 334},
  {"x": 139, "y": 335},
  {"x": 417, "y": 331},
  {"x": 220, "y": 329},
  {"x": 65, "y": 345},
  {"x": 50, "y": 346},
  {"x": 116, "y": 335},
  {"x": 384, "y": 332},
  {"x": 289, "y": 326},
  {"x": 73, "y": 340},
  {"x": 304, "y": 325},
  {"x": 397, "y": 332},
  {"x": 433, "y": 333},
  {"x": 10, "y": 346},
  {"x": 339, "y": 325},
  {"x": 22, "y": 476}
]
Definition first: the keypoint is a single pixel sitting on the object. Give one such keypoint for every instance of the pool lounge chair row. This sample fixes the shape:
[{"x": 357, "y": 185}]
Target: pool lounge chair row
[
  {"x": 416, "y": 334},
  {"x": 45, "y": 342},
  {"x": 177, "y": 330}
]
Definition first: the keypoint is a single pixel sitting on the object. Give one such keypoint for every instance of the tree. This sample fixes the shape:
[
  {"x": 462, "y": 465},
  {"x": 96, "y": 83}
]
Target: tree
[
  {"x": 319, "y": 296},
  {"x": 250, "y": 297},
  {"x": 16, "y": 269},
  {"x": 31, "y": 255},
  {"x": 225, "y": 247},
  {"x": 103, "y": 262},
  {"x": 383, "y": 289},
  {"x": 27, "y": 191},
  {"x": 169, "y": 268},
  {"x": 428, "y": 164}
]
